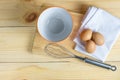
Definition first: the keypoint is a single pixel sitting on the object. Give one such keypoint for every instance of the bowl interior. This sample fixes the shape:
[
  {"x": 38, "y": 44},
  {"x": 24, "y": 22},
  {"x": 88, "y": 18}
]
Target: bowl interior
[{"x": 54, "y": 24}]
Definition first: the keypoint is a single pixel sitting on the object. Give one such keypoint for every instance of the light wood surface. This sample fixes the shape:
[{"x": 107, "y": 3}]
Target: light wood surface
[{"x": 17, "y": 32}]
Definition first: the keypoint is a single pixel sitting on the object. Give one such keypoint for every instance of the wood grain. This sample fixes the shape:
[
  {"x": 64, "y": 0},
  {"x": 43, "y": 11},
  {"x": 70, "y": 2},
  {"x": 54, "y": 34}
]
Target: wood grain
[
  {"x": 12, "y": 12},
  {"x": 16, "y": 37},
  {"x": 56, "y": 71}
]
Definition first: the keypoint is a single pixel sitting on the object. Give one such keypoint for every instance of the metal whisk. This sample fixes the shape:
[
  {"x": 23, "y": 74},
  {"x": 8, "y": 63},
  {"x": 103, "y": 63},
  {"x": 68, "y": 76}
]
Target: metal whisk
[{"x": 59, "y": 51}]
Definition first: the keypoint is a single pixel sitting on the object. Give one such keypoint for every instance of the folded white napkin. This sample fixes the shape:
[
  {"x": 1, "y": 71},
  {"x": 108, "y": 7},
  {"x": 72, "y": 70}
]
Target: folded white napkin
[{"x": 101, "y": 21}]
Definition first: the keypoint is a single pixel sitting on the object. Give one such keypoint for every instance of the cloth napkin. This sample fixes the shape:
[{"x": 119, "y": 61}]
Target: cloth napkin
[{"x": 99, "y": 20}]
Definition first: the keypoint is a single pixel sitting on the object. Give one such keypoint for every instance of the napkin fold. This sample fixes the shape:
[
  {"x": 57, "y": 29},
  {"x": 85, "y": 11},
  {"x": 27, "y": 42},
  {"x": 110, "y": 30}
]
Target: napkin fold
[{"x": 99, "y": 20}]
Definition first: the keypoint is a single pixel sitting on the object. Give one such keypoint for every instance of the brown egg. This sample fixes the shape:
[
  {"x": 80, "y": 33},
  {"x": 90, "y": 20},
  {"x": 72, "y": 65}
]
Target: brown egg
[
  {"x": 98, "y": 38},
  {"x": 86, "y": 34},
  {"x": 90, "y": 46}
]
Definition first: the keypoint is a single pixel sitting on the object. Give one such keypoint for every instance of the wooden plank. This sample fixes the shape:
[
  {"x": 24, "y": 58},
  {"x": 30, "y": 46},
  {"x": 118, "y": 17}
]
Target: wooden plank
[
  {"x": 16, "y": 38},
  {"x": 56, "y": 71},
  {"x": 17, "y": 13},
  {"x": 12, "y": 12},
  {"x": 6, "y": 5},
  {"x": 81, "y": 6},
  {"x": 16, "y": 43}
]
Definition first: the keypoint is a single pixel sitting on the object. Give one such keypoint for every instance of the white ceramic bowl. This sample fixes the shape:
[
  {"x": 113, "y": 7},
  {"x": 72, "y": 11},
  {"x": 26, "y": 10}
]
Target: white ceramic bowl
[{"x": 55, "y": 24}]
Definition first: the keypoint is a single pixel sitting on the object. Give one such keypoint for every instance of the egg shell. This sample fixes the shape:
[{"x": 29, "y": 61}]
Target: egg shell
[
  {"x": 98, "y": 38},
  {"x": 90, "y": 46},
  {"x": 86, "y": 34}
]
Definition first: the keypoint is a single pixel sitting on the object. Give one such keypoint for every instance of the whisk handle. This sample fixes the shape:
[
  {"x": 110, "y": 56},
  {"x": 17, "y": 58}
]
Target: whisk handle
[{"x": 100, "y": 64}]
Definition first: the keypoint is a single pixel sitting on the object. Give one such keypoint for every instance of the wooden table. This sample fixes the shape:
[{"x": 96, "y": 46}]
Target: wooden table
[{"x": 17, "y": 28}]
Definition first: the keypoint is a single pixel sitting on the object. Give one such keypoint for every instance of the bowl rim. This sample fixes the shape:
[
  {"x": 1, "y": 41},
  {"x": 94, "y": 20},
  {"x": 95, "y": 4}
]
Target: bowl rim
[{"x": 50, "y": 8}]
